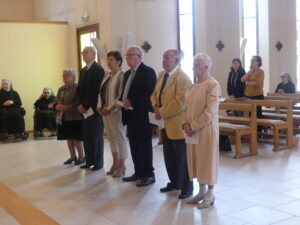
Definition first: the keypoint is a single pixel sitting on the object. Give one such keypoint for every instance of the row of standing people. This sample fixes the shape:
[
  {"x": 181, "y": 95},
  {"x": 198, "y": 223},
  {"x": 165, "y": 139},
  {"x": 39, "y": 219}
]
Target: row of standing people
[
  {"x": 186, "y": 108},
  {"x": 127, "y": 98}
]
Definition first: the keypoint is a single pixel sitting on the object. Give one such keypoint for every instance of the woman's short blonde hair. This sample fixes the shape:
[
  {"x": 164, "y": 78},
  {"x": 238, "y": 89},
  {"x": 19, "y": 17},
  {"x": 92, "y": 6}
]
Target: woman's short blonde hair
[{"x": 203, "y": 58}]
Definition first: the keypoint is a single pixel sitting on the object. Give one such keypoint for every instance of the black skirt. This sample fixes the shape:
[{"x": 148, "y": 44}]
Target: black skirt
[{"x": 69, "y": 130}]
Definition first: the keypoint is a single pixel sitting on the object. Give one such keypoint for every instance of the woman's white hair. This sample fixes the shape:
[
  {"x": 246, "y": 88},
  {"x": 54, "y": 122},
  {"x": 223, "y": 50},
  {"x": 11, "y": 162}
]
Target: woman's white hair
[
  {"x": 71, "y": 72},
  {"x": 203, "y": 58}
]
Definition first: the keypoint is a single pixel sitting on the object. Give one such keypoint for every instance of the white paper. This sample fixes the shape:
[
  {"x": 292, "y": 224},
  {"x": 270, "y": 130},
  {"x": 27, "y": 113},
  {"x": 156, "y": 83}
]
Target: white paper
[
  {"x": 88, "y": 113},
  {"x": 194, "y": 139},
  {"x": 153, "y": 120},
  {"x": 119, "y": 103}
]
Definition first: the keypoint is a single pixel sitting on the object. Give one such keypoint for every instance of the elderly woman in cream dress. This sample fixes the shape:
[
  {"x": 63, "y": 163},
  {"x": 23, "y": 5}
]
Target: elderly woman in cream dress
[{"x": 201, "y": 120}]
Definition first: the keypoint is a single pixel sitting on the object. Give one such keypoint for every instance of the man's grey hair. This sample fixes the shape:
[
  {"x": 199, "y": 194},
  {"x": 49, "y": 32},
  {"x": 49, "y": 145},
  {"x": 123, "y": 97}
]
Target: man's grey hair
[
  {"x": 204, "y": 58},
  {"x": 92, "y": 49},
  {"x": 177, "y": 54},
  {"x": 137, "y": 49},
  {"x": 71, "y": 72}
]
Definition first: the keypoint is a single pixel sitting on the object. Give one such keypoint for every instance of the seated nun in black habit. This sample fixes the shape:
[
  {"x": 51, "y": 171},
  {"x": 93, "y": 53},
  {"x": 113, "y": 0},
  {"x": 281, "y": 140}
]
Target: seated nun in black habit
[
  {"x": 11, "y": 113},
  {"x": 45, "y": 115}
]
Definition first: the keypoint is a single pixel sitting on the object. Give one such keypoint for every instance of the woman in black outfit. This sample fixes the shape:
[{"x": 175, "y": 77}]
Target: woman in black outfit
[
  {"x": 235, "y": 88},
  {"x": 44, "y": 116},
  {"x": 11, "y": 113}
]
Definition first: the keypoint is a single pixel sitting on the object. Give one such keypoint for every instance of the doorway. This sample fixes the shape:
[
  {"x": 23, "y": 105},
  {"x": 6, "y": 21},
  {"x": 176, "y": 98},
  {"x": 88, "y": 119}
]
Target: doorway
[{"x": 84, "y": 36}]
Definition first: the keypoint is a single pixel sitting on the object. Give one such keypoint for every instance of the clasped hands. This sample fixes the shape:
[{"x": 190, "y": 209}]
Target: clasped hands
[
  {"x": 103, "y": 111},
  {"x": 60, "y": 107},
  {"x": 188, "y": 129},
  {"x": 8, "y": 103}
]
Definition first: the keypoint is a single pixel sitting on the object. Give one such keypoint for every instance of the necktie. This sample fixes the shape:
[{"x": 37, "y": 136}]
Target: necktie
[{"x": 166, "y": 76}]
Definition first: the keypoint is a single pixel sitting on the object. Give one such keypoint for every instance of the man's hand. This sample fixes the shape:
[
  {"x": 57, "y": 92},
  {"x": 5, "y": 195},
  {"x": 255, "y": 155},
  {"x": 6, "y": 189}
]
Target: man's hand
[
  {"x": 127, "y": 103},
  {"x": 156, "y": 111},
  {"x": 81, "y": 109}
]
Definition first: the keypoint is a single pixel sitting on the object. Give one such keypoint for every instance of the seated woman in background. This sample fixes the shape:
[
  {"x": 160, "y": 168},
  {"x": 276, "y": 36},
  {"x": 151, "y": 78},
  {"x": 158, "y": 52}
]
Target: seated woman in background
[
  {"x": 68, "y": 118},
  {"x": 11, "y": 113},
  {"x": 44, "y": 116},
  {"x": 235, "y": 87},
  {"x": 286, "y": 85}
]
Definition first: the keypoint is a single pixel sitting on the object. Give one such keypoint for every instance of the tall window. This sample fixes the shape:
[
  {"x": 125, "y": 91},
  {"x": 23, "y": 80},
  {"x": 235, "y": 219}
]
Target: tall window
[
  {"x": 186, "y": 34},
  {"x": 298, "y": 42},
  {"x": 249, "y": 30}
]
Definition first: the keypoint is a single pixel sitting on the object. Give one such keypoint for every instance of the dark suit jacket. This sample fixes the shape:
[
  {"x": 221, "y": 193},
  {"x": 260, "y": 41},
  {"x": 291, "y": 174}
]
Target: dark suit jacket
[
  {"x": 89, "y": 85},
  {"x": 139, "y": 94}
]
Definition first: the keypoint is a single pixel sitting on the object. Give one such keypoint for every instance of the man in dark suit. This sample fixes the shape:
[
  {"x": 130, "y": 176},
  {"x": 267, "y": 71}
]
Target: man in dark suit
[
  {"x": 138, "y": 84},
  {"x": 92, "y": 125}
]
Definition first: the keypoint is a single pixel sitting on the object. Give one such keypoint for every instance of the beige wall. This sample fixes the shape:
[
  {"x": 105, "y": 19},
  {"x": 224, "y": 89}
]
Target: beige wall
[
  {"x": 153, "y": 21},
  {"x": 282, "y": 23},
  {"x": 16, "y": 10},
  {"x": 218, "y": 20},
  {"x": 33, "y": 56}
]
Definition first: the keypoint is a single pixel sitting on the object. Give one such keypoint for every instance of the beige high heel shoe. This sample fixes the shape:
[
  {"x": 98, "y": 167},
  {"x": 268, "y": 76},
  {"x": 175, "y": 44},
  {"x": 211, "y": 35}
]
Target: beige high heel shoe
[
  {"x": 112, "y": 170},
  {"x": 120, "y": 172},
  {"x": 196, "y": 199},
  {"x": 206, "y": 203}
]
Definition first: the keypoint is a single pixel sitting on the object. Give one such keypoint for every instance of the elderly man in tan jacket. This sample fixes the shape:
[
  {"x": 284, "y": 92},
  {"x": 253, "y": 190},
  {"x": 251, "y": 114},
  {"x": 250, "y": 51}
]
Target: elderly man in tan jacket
[{"x": 168, "y": 101}]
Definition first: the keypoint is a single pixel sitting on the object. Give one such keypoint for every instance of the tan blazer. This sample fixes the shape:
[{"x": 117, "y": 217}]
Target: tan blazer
[{"x": 173, "y": 101}]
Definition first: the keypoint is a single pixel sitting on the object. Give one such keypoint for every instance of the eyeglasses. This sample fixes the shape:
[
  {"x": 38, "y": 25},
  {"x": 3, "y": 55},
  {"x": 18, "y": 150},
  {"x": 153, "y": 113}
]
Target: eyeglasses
[
  {"x": 130, "y": 55},
  {"x": 84, "y": 52}
]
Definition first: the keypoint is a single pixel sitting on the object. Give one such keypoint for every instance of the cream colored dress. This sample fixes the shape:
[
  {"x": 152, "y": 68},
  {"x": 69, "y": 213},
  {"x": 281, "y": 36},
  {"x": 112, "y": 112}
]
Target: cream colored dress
[{"x": 202, "y": 114}]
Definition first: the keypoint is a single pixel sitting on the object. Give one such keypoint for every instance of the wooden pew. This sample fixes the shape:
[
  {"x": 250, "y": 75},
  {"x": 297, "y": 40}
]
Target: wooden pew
[
  {"x": 295, "y": 98},
  {"x": 240, "y": 126},
  {"x": 279, "y": 122}
]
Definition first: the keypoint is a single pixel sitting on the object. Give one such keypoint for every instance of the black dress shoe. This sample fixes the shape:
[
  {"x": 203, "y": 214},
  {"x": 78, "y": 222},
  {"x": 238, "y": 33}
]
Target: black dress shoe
[
  {"x": 169, "y": 188},
  {"x": 86, "y": 166},
  {"x": 69, "y": 161},
  {"x": 131, "y": 178},
  {"x": 95, "y": 168},
  {"x": 184, "y": 195},
  {"x": 4, "y": 138},
  {"x": 145, "y": 181}
]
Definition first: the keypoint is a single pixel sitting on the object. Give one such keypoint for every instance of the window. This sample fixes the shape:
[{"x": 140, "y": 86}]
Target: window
[
  {"x": 298, "y": 42},
  {"x": 186, "y": 35},
  {"x": 84, "y": 36},
  {"x": 249, "y": 33}
]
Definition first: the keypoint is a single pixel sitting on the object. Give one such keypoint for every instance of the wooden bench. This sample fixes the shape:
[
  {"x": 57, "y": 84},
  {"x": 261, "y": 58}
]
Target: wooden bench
[
  {"x": 238, "y": 127},
  {"x": 278, "y": 122},
  {"x": 295, "y": 112}
]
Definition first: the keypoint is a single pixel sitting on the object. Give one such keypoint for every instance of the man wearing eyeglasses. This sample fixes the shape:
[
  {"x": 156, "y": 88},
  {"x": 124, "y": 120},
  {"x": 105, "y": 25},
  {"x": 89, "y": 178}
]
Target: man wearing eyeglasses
[
  {"x": 92, "y": 125},
  {"x": 168, "y": 100},
  {"x": 138, "y": 85}
]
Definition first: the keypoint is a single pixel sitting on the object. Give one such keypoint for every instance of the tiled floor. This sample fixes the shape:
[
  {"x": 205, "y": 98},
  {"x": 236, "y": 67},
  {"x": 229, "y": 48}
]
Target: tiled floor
[{"x": 264, "y": 189}]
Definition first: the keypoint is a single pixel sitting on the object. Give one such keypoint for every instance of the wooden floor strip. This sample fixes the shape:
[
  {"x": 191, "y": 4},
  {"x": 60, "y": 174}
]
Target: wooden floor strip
[{"x": 24, "y": 212}]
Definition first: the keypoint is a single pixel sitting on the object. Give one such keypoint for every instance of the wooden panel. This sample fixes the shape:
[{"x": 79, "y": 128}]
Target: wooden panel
[{"x": 24, "y": 212}]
